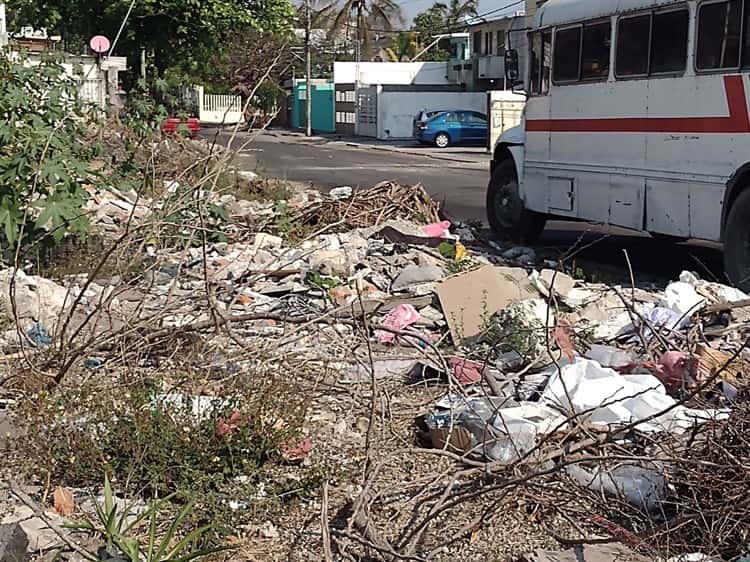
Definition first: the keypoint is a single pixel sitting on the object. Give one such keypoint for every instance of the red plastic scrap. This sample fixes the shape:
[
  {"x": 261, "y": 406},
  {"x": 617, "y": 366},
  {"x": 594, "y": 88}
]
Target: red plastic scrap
[{"x": 465, "y": 371}]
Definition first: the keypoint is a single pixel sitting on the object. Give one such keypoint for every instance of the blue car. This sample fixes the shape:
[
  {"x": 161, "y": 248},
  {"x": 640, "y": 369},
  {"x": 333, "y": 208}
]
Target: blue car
[{"x": 453, "y": 127}]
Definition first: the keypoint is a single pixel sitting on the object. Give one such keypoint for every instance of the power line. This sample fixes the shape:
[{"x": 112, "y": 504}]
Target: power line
[{"x": 454, "y": 29}]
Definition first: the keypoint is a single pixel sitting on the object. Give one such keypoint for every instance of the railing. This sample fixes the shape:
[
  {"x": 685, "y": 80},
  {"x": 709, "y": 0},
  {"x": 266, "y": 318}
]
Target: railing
[{"x": 219, "y": 108}]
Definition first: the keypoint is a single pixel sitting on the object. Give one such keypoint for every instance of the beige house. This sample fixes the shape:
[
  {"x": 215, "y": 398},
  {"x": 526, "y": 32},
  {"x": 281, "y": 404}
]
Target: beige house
[
  {"x": 531, "y": 7},
  {"x": 488, "y": 40}
]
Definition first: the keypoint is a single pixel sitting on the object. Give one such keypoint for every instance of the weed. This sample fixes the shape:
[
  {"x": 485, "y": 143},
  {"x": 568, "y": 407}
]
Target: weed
[
  {"x": 116, "y": 526},
  {"x": 157, "y": 444}
]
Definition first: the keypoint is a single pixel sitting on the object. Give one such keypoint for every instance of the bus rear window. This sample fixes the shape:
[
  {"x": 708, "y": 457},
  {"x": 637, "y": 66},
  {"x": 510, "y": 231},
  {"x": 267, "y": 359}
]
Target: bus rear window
[
  {"x": 633, "y": 36},
  {"x": 719, "y": 35},
  {"x": 567, "y": 60}
]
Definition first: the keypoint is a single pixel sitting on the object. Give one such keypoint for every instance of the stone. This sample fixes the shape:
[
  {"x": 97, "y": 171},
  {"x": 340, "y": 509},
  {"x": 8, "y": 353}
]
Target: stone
[
  {"x": 331, "y": 262},
  {"x": 416, "y": 275},
  {"x": 13, "y": 543},
  {"x": 266, "y": 241},
  {"x": 38, "y": 300}
]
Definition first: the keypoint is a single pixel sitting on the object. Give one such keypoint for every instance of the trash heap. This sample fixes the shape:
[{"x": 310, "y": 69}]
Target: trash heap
[{"x": 632, "y": 397}]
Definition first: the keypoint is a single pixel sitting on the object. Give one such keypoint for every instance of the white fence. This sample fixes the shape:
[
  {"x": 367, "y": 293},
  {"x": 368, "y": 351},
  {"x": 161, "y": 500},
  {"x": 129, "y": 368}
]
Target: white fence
[{"x": 218, "y": 109}]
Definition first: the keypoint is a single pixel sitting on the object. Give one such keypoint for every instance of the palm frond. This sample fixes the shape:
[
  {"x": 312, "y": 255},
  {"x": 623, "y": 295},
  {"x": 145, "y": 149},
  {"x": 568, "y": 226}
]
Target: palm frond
[{"x": 343, "y": 16}]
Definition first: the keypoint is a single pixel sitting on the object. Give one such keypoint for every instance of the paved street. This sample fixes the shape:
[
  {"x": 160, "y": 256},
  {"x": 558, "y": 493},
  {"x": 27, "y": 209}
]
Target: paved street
[{"x": 458, "y": 176}]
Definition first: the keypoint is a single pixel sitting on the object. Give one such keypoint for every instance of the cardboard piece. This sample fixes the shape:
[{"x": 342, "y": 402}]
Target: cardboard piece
[{"x": 469, "y": 299}]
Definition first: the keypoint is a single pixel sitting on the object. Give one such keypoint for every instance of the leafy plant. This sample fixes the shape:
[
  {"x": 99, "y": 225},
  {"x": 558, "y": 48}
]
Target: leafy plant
[
  {"x": 44, "y": 156},
  {"x": 116, "y": 526}
]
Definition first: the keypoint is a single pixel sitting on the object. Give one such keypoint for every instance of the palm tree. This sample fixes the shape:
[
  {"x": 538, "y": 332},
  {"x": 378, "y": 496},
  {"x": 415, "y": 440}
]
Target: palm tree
[
  {"x": 367, "y": 17},
  {"x": 457, "y": 12},
  {"x": 403, "y": 46}
]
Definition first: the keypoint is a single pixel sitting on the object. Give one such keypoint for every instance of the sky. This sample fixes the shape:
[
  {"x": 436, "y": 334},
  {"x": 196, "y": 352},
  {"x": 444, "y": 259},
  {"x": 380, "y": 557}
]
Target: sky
[{"x": 412, "y": 7}]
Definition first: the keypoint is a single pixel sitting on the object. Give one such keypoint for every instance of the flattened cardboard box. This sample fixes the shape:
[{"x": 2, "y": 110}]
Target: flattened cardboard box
[{"x": 471, "y": 298}]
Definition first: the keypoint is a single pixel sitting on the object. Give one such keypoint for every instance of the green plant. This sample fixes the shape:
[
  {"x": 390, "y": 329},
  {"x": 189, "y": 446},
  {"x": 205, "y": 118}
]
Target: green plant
[
  {"x": 117, "y": 525},
  {"x": 44, "y": 154}
]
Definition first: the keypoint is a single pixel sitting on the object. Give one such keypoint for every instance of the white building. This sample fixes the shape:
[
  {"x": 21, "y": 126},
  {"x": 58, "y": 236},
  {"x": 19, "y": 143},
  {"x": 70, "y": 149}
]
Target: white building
[{"x": 3, "y": 26}]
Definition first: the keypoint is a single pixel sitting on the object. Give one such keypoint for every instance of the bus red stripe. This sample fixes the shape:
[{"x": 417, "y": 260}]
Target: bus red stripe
[{"x": 738, "y": 120}]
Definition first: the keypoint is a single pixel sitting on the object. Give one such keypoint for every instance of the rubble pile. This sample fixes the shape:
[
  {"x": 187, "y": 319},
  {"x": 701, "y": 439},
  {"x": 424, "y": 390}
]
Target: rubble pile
[{"x": 623, "y": 402}]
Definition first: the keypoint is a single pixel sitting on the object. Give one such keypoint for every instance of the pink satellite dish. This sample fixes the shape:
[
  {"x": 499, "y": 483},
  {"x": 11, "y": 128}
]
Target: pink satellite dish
[{"x": 99, "y": 44}]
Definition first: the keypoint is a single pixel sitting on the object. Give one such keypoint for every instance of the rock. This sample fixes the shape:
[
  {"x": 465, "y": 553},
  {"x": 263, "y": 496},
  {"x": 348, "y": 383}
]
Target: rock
[
  {"x": 13, "y": 543},
  {"x": 331, "y": 262},
  {"x": 38, "y": 300},
  {"x": 266, "y": 241},
  {"x": 416, "y": 275}
]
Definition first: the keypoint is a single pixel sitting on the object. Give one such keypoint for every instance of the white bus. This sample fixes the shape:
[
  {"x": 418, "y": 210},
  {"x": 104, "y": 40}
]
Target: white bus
[{"x": 637, "y": 116}]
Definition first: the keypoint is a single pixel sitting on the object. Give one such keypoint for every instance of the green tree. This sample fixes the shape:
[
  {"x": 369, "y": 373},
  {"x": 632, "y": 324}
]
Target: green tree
[
  {"x": 44, "y": 158},
  {"x": 179, "y": 34},
  {"x": 404, "y": 46},
  {"x": 428, "y": 25},
  {"x": 439, "y": 19}
]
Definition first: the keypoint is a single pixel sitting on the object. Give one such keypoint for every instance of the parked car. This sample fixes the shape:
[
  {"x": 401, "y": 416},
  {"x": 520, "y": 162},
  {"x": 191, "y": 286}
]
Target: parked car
[
  {"x": 424, "y": 116},
  {"x": 173, "y": 124},
  {"x": 453, "y": 127}
]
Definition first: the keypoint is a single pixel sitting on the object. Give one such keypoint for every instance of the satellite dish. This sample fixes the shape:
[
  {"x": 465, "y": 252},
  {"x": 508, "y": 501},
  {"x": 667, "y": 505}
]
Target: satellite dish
[{"x": 99, "y": 44}]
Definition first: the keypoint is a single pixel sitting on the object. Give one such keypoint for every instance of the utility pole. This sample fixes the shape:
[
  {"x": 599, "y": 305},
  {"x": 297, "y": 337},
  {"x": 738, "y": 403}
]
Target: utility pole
[
  {"x": 3, "y": 28},
  {"x": 308, "y": 70}
]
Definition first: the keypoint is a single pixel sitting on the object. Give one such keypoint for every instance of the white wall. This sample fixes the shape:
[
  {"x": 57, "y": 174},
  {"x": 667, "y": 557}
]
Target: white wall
[
  {"x": 432, "y": 73},
  {"x": 397, "y": 109}
]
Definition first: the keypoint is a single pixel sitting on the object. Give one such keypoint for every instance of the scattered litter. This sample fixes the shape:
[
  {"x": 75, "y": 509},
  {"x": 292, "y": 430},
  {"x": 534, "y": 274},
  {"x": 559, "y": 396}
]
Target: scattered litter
[
  {"x": 491, "y": 289},
  {"x": 604, "y": 397},
  {"x": 465, "y": 371},
  {"x": 401, "y": 317},
  {"x": 38, "y": 335},
  {"x": 340, "y": 193}
]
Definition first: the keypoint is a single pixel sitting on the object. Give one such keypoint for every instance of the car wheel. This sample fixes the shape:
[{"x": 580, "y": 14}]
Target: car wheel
[
  {"x": 506, "y": 213},
  {"x": 737, "y": 242},
  {"x": 442, "y": 140}
]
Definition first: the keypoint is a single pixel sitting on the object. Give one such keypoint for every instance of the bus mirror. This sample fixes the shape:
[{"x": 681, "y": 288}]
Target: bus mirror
[{"x": 511, "y": 65}]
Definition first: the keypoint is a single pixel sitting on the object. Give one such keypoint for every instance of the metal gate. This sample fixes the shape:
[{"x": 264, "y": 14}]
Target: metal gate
[{"x": 367, "y": 111}]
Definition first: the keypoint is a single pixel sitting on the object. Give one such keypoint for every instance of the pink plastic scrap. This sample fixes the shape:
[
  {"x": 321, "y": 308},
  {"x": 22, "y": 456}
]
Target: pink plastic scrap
[
  {"x": 465, "y": 371},
  {"x": 437, "y": 229},
  {"x": 403, "y": 316},
  {"x": 675, "y": 369}
]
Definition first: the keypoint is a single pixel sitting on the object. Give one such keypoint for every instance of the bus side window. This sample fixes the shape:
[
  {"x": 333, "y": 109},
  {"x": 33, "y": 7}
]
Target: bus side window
[
  {"x": 597, "y": 41},
  {"x": 541, "y": 49},
  {"x": 566, "y": 66},
  {"x": 669, "y": 38},
  {"x": 719, "y": 35},
  {"x": 633, "y": 38},
  {"x": 546, "y": 61}
]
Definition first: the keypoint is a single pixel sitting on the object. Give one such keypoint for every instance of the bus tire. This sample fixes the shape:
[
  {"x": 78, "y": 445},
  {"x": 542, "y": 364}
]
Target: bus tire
[
  {"x": 737, "y": 242},
  {"x": 508, "y": 217}
]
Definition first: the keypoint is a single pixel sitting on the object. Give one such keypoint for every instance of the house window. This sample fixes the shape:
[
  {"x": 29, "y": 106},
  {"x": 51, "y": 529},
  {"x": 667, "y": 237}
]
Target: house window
[
  {"x": 488, "y": 43},
  {"x": 500, "y": 49},
  {"x": 719, "y": 35},
  {"x": 477, "y": 43}
]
